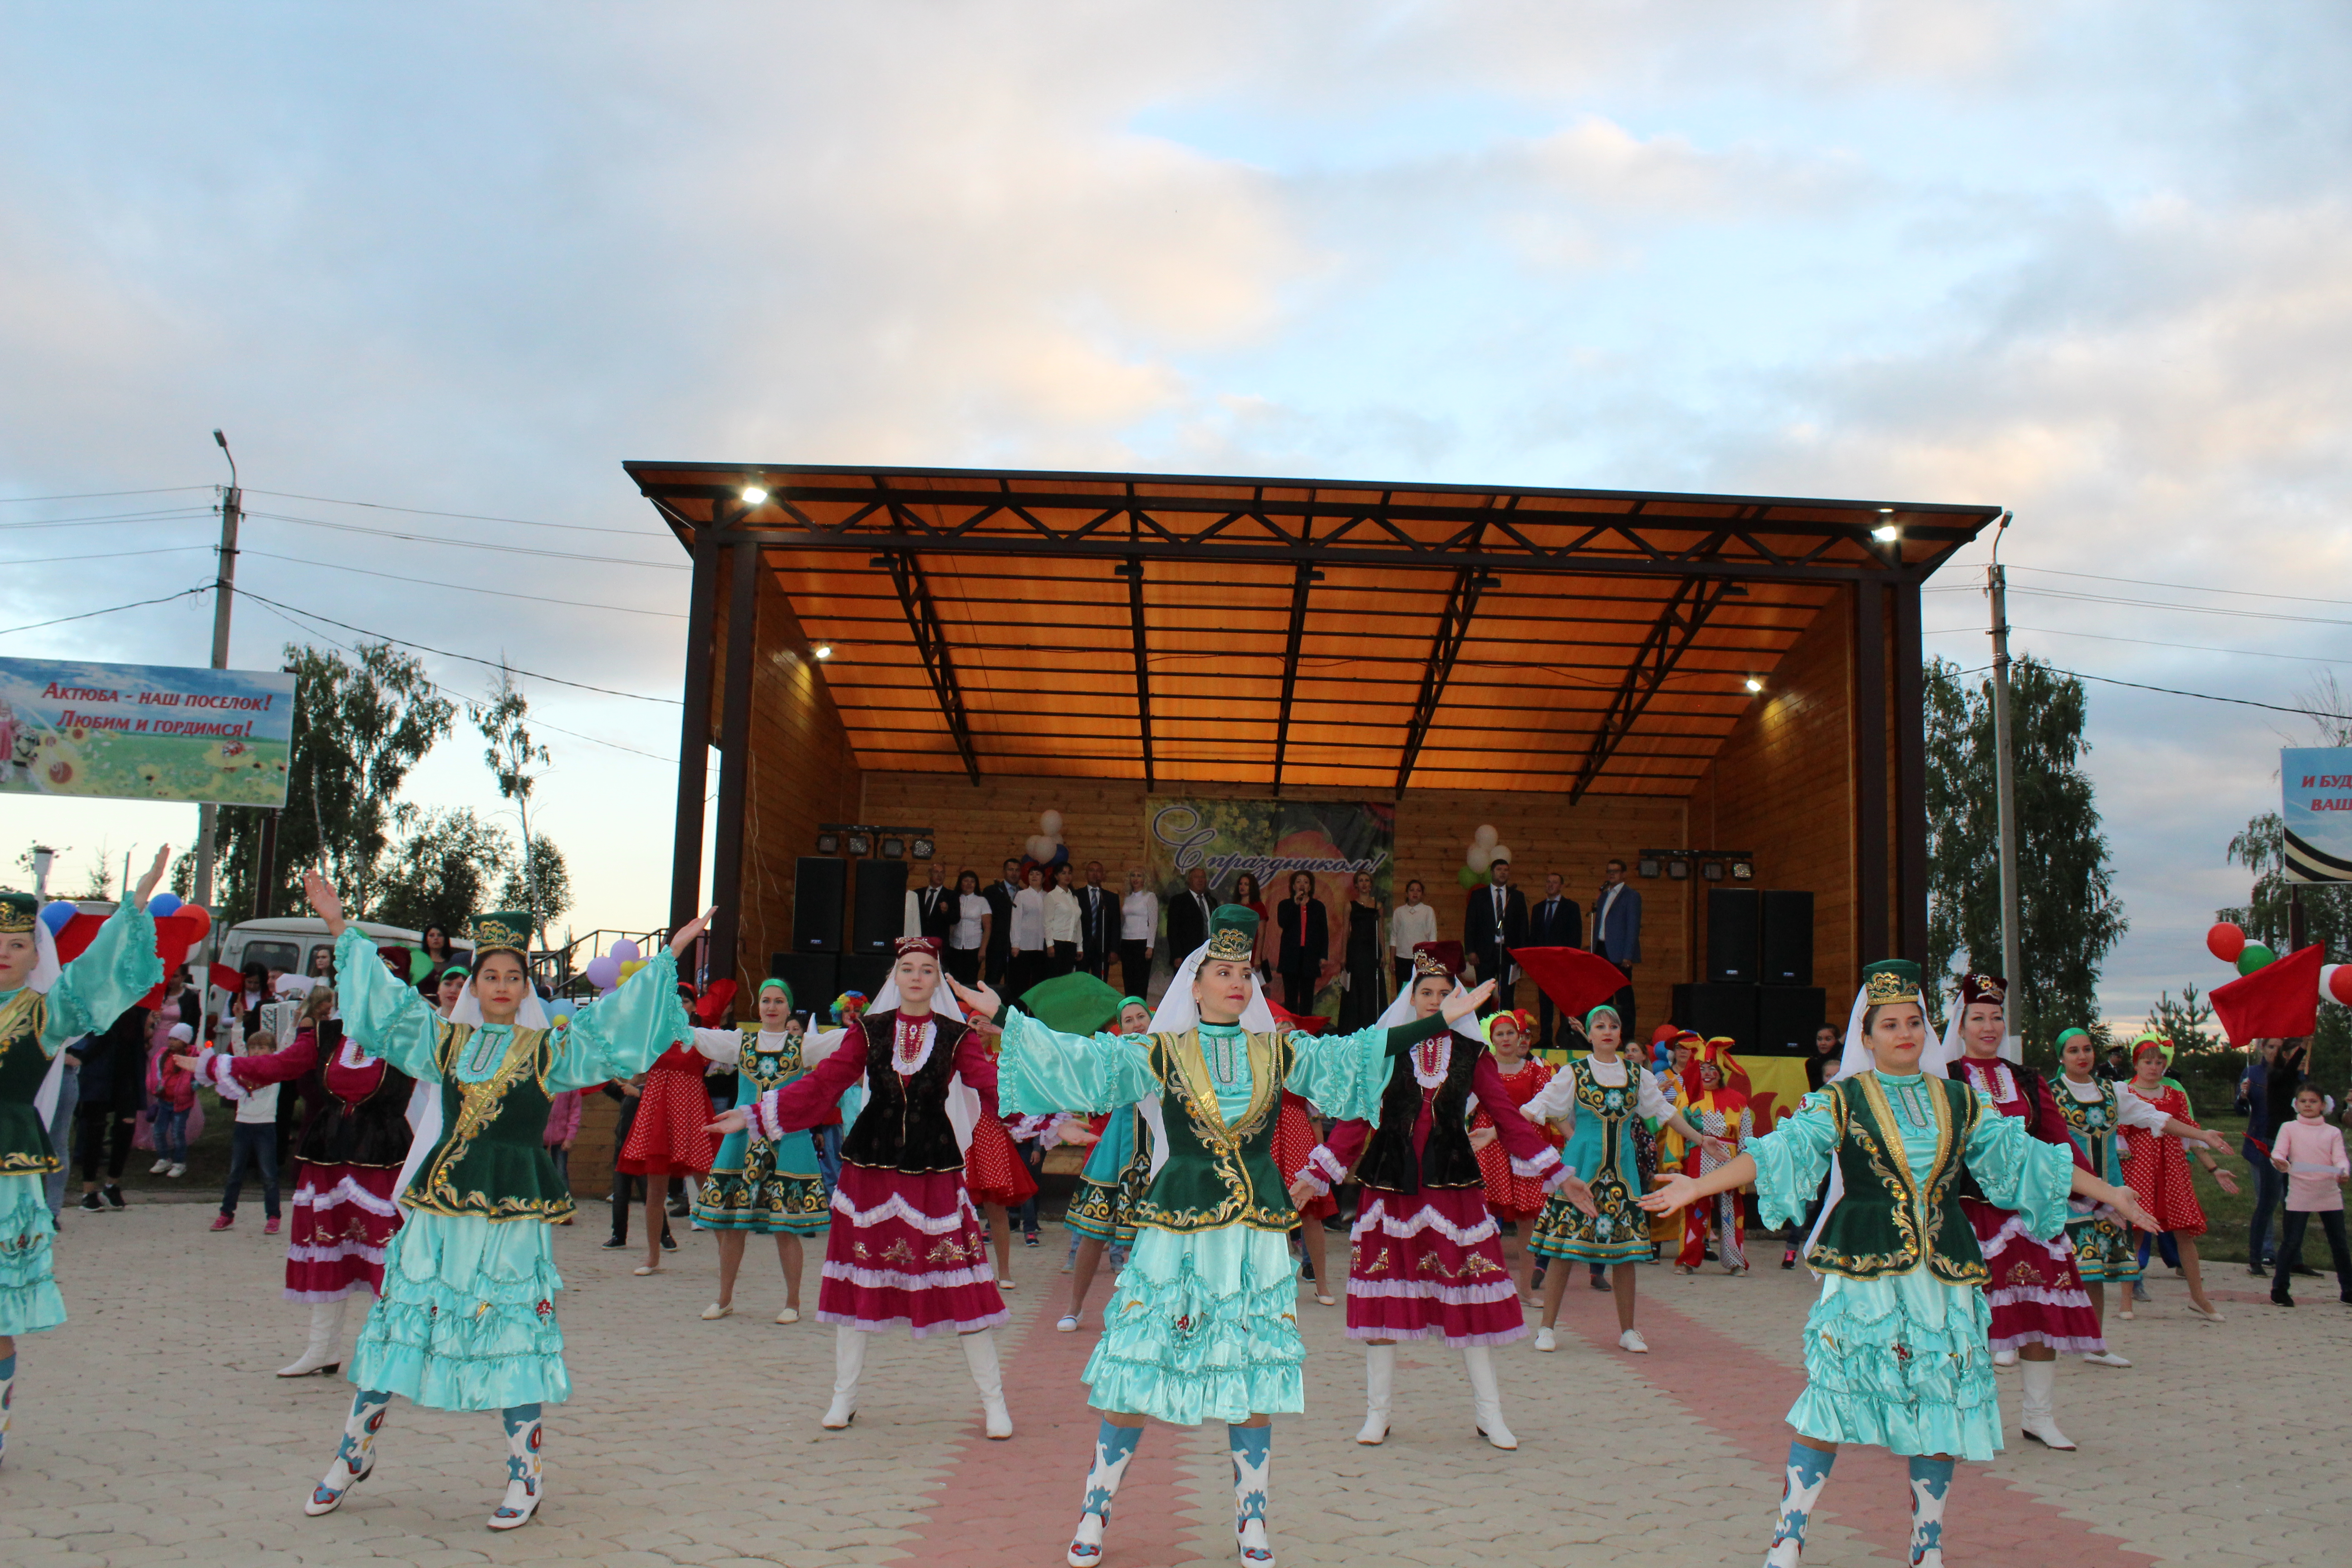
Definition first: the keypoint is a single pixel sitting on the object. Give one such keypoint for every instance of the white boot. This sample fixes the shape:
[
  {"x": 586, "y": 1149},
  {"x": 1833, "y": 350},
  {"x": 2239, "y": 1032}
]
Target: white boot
[
  {"x": 523, "y": 1492},
  {"x": 980, "y": 1354},
  {"x": 1486, "y": 1399},
  {"x": 1379, "y": 1392},
  {"x": 848, "y": 1366},
  {"x": 2039, "y": 1422},
  {"x": 355, "y": 1459},
  {"x": 324, "y": 1355}
]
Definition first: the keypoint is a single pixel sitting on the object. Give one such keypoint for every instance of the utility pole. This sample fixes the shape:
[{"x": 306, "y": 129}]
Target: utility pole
[
  {"x": 2012, "y": 963},
  {"x": 224, "y": 595}
]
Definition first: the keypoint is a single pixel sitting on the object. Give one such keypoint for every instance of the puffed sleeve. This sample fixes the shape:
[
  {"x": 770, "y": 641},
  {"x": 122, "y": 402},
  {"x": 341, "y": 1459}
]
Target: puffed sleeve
[
  {"x": 2131, "y": 1110},
  {"x": 1044, "y": 1069},
  {"x": 1530, "y": 1153},
  {"x": 236, "y": 1077},
  {"x": 2016, "y": 1170},
  {"x": 625, "y": 1031},
  {"x": 1554, "y": 1102},
  {"x": 1345, "y": 1075},
  {"x": 112, "y": 974},
  {"x": 1328, "y": 1163},
  {"x": 1793, "y": 1159},
  {"x": 721, "y": 1046},
  {"x": 387, "y": 1018},
  {"x": 811, "y": 1096}
]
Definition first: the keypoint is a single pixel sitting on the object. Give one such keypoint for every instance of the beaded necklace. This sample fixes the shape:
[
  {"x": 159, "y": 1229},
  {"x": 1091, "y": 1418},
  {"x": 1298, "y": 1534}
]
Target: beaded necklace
[
  {"x": 1430, "y": 1058},
  {"x": 1220, "y": 1045},
  {"x": 910, "y": 1046},
  {"x": 1912, "y": 1106}
]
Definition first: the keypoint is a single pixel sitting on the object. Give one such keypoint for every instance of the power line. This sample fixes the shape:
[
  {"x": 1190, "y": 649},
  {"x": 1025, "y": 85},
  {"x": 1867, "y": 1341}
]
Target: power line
[
  {"x": 470, "y": 658},
  {"x": 467, "y": 516},
  {"x": 110, "y": 555},
  {"x": 2081, "y": 598},
  {"x": 99, "y": 495},
  {"x": 167, "y": 514},
  {"x": 2200, "y": 696},
  {"x": 2184, "y": 587},
  {"x": 473, "y": 543},
  {"x": 113, "y": 609},
  {"x": 430, "y": 583},
  {"x": 2140, "y": 642}
]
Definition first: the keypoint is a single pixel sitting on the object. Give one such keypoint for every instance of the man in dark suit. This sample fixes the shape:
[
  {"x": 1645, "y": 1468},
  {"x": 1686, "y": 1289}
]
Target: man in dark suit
[
  {"x": 1188, "y": 916},
  {"x": 931, "y": 908},
  {"x": 1617, "y": 934},
  {"x": 1553, "y": 921},
  {"x": 1496, "y": 921},
  {"x": 999, "y": 895},
  {"x": 1097, "y": 923}
]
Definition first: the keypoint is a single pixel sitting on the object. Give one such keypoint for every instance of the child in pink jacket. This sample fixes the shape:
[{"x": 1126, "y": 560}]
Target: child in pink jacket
[
  {"x": 562, "y": 1127},
  {"x": 2310, "y": 1153}
]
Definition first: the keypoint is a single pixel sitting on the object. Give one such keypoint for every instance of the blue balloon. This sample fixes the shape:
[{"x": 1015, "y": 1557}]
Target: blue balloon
[
  {"x": 57, "y": 915},
  {"x": 164, "y": 904}
]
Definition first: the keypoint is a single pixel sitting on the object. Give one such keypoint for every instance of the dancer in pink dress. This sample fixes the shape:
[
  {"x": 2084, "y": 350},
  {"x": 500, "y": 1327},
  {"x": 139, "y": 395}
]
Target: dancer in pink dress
[
  {"x": 905, "y": 1250},
  {"x": 1426, "y": 1259}
]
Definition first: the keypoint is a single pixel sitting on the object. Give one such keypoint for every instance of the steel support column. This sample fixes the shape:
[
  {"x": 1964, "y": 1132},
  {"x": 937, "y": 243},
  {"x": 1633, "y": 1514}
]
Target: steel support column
[
  {"x": 694, "y": 732},
  {"x": 1301, "y": 581},
  {"x": 1671, "y": 635},
  {"x": 1910, "y": 806},
  {"x": 939, "y": 662},
  {"x": 1453, "y": 630},
  {"x": 734, "y": 759},
  {"x": 1872, "y": 937},
  {"x": 1134, "y": 573}
]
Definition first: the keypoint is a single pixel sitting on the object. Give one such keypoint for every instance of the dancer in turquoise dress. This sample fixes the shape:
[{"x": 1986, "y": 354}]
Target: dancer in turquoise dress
[
  {"x": 1101, "y": 1216},
  {"x": 1202, "y": 1324},
  {"x": 466, "y": 1321},
  {"x": 44, "y": 1008},
  {"x": 1896, "y": 1348},
  {"x": 760, "y": 1185}
]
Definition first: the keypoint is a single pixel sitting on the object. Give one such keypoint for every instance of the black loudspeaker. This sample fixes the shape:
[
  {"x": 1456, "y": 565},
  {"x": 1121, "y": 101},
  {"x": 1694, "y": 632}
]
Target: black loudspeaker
[
  {"x": 819, "y": 884},
  {"x": 880, "y": 918},
  {"x": 1786, "y": 1017},
  {"x": 865, "y": 973},
  {"x": 1788, "y": 939},
  {"x": 1728, "y": 1011},
  {"x": 1733, "y": 947},
  {"x": 815, "y": 977}
]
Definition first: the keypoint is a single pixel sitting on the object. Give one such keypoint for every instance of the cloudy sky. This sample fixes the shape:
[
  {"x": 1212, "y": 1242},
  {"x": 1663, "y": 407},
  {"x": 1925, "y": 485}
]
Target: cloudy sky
[{"x": 2092, "y": 261}]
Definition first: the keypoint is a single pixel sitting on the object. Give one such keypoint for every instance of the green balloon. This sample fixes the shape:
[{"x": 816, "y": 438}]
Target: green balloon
[
  {"x": 2254, "y": 957},
  {"x": 1470, "y": 879}
]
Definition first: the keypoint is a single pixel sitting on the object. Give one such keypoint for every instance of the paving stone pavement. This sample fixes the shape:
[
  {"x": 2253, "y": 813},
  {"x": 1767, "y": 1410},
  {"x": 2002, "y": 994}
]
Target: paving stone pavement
[{"x": 150, "y": 1430}]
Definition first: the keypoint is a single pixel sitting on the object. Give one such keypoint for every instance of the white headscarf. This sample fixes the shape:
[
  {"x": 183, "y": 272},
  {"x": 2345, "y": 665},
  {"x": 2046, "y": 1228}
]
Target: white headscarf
[
  {"x": 46, "y": 973},
  {"x": 1857, "y": 1058},
  {"x": 963, "y": 1101},
  {"x": 1178, "y": 1012},
  {"x": 1400, "y": 1013},
  {"x": 424, "y": 1100}
]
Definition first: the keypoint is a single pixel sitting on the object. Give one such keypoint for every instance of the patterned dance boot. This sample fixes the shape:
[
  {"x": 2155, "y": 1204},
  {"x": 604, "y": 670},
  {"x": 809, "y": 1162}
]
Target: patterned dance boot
[
  {"x": 1931, "y": 1484},
  {"x": 988, "y": 1376},
  {"x": 1379, "y": 1392},
  {"x": 1114, "y": 1446},
  {"x": 322, "y": 1356},
  {"x": 524, "y": 1433},
  {"x": 1252, "y": 1451},
  {"x": 355, "y": 1460},
  {"x": 1809, "y": 1472},
  {"x": 848, "y": 1366},
  {"x": 1486, "y": 1399}
]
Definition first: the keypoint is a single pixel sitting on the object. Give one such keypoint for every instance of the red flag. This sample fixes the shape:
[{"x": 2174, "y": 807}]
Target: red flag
[
  {"x": 2279, "y": 1000},
  {"x": 1575, "y": 980}
]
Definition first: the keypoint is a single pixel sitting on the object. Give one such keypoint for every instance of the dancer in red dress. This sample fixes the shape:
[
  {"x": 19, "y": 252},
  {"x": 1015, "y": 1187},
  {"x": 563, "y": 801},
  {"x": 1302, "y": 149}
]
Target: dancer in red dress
[
  {"x": 1294, "y": 1145},
  {"x": 668, "y": 1137},
  {"x": 997, "y": 1179},
  {"x": 2157, "y": 1166},
  {"x": 2040, "y": 1310},
  {"x": 906, "y": 1249},
  {"x": 348, "y": 1158},
  {"x": 1426, "y": 1259},
  {"x": 1514, "y": 1200}
]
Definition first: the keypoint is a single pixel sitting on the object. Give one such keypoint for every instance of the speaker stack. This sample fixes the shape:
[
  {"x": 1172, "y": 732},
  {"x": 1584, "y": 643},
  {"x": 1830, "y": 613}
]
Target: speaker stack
[{"x": 1759, "y": 990}]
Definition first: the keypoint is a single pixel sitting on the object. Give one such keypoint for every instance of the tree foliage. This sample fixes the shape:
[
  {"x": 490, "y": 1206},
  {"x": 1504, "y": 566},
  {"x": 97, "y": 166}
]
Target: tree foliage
[
  {"x": 442, "y": 870},
  {"x": 2069, "y": 916},
  {"x": 516, "y": 760},
  {"x": 545, "y": 889},
  {"x": 2327, "y": 919}
]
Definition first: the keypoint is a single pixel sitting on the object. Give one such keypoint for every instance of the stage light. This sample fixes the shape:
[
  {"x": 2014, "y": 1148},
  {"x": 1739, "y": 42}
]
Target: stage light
[
  {"x": 1753, "y": 684},
  {"x": 1648, "y": 865},
  {"x": 828, "y": 843},
  {"x": 893, "y": 850},
  {"x": 823, "y": 651},
  {"x": 1711, "y": 870},
  {"x": 859, "y": 843},
  {"x": 1886, "y": 534},
  {"x": 1743, "y": 870},
  {"x": 924, "y": 848},
  {"x": 753, "y": 495},
  {"x": 1677, "y": 871}
]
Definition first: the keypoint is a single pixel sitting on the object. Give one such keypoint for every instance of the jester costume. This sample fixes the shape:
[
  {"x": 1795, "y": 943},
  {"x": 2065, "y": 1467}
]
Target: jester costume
[{"x": 1721, "y": 1113}]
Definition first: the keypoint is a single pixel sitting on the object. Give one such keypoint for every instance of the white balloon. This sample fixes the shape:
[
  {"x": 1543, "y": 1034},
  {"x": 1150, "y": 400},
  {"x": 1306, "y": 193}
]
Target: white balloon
[
  {"x": 1500, "y": 852},
  {"x": 1486, "y": 837},
  {"x": 1479, "y": 858},
  {"x": 1052, "y": 823},
  {"x": 1041, "y": 848}
]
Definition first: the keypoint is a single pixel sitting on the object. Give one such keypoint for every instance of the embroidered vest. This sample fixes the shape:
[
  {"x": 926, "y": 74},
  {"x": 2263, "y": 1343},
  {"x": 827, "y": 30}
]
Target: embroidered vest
[
  {"x": 25, "y": 1148},
  {"x": 904, "y": 1124},
  {"x": 759, "y": 1071},
  {"x": 1887, "y": 1224},
  {"x": 1447, "y": 1158},
  {"x": 1217, "y": 1173},
  {"x": 2094, "y": 1124},
  {"x": 492, "y": 1160}
]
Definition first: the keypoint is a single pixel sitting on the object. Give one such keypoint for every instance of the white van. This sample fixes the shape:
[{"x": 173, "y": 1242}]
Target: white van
[{"x": 292, "y": 945}]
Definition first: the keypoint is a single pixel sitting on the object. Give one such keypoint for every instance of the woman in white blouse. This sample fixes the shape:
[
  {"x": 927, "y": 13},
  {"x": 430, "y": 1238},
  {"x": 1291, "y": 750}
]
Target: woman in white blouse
[
  {"x": 1411, "y": 923},
  {"x": 1139, "y": 930},
  {"x": 1062, "y": 917},
  {"x": 1028, "y": 937},
  {"x": 968, "y": 938}
]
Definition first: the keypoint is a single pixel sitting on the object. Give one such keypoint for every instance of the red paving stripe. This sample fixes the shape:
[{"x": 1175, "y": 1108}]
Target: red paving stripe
[
  {"x": 1011, "y": 1504},
  {"x": 1745, "y": 1397}
]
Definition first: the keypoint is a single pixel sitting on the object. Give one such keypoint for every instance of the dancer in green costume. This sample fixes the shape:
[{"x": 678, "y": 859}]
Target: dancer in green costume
[{"x": 1895, "y": 1352}]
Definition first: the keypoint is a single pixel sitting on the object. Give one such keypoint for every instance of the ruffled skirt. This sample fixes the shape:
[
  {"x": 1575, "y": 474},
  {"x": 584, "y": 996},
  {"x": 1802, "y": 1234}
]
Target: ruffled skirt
[
  {"x": 2034, "y": 1290},
  {"x": 907, "y": 1251},
  {"x": 1619, "y": 1233},
  {"x": 666, "y": 1139},
  {"x": 29, "y": 1301},
  {"x": 1429, "y": 1266},
  {"x": 993, "y": 1170},
  {"x": 1900, "y": 1364},
  {"x": 345, "y": 1220},
  {"x": 1106, "y": 1210},
  {"x": 2104, "y": 1251},
  {"x": 750, "y": 1189},
  {"x": 1512, "y": 1197},
  {"x": 467, "y": 1320},
  {"x": 1294, "y": 1140},
  {"x": 1202, "y": 1326}
]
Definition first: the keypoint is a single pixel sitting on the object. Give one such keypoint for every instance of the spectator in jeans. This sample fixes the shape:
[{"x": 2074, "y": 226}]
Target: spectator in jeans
[
  {"x": 627, "y": 1189},
  {"x": 114, "y": 1084},
  {"x": 61, "y": 1123},
  {"x": 2269, "y": 1084},
  {"x": 174, "y": 1097},
  {"x": 253, "y": 1141}
]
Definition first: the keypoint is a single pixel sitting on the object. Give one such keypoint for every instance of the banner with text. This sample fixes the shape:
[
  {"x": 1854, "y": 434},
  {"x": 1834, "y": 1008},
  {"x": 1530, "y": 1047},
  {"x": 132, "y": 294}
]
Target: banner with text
[
  {"x": 145, "y": 731},
  {"x": 2317, "y": 811},
  {"x": 1268, "y": 840}
]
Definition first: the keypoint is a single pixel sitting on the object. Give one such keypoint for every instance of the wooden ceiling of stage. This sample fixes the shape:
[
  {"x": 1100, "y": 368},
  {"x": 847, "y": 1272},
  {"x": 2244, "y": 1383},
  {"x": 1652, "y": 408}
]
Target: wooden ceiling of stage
[{"x": 1300, "y": 635}]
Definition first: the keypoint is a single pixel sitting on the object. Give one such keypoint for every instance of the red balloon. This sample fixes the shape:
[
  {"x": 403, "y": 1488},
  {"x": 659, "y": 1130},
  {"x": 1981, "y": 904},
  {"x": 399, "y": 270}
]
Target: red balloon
[
  {"x": 2225, "y": 941},
  {"x": 198, "y": 916},
  {"x": 2339, "y": 984}
]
